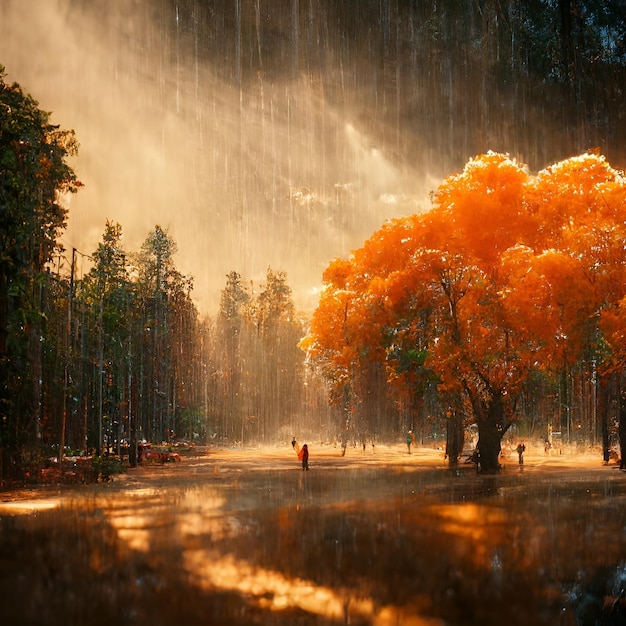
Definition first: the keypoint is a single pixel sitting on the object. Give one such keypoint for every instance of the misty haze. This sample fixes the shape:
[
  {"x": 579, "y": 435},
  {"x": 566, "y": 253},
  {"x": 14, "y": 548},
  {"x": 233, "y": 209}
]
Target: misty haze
[
  {"x": 388, "y": 233},
  {"x": 276, "y": 133},
  {"x": 201, "y": 121}
]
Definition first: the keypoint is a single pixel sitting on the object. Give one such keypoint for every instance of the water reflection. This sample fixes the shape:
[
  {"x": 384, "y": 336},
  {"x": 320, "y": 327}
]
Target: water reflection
[
  {"x": 20, "y": 507},
  {"x": 272, "y": 589},
  {"x": 362, "y": 545}
]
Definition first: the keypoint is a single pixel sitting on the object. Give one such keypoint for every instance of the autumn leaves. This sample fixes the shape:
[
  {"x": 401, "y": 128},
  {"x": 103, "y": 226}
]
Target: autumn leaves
[{"x": 509, "y": 273}]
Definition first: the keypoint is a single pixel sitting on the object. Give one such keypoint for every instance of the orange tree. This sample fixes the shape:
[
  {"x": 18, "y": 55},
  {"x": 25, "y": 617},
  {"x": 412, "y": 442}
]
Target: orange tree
[{"x": 508, "y": 273}]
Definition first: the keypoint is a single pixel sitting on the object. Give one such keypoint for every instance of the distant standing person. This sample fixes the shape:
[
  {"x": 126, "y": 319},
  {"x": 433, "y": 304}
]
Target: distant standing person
[
  {"x": 409, "y": 441},
  {"x": 521, "y": 448},
  {"x": 293, "y": 442},
  {"x": 304, "y": 455}
]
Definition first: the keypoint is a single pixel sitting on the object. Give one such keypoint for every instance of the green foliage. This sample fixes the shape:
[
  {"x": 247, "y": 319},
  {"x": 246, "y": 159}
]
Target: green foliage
[
  {"x": 191, "y": 425},
  {"x": 139, "y": 361},
  {"x": 106, "y": 466},
  {"x": 34, "y": 177}
]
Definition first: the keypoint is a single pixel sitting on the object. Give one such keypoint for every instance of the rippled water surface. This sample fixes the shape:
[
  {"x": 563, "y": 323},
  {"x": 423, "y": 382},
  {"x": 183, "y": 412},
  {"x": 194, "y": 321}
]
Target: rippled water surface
[{"x": 375, "y": 537}]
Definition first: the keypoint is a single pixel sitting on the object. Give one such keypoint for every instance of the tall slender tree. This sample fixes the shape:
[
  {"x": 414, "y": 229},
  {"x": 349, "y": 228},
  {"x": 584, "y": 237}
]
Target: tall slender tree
[
  {"x": 278, "y": 369},
  {"x": 231, "y": 325},
  {"x": 107, "y": 292},
  {"x": 161, "y": 292}
]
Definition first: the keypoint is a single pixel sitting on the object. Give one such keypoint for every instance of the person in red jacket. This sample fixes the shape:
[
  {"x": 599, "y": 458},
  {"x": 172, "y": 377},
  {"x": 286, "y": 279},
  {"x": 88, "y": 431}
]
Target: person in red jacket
[{"x": 304, "y": 456}]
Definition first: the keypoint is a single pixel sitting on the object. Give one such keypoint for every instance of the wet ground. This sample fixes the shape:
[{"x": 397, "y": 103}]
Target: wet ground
[{"x": 376, "y": 537}]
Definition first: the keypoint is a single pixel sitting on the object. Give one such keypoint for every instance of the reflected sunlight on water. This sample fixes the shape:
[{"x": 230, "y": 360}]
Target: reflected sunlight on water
[
  {"x": 140, "y": 523},
  {"x": 276, "y": 592},
  {"x": 481, "y": 525},
  {"x": 379, "y": 539},
  {"x": 20, "y": 507}
]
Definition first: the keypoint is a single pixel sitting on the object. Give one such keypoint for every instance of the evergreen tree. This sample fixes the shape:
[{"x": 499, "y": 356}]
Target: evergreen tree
[
  {"x": 107, "y": 292},
  {"x": 34, "y": 177}
]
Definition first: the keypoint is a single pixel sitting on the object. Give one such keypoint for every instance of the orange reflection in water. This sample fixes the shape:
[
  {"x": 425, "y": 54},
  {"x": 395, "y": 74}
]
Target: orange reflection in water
[
  {"x": 200, "y": 513},
  {"x": 471, "y": 520},
  {"x": 276, "y": 592},
  {"x": 480, "y": 527},
  {"x": 21, "y": 507}
]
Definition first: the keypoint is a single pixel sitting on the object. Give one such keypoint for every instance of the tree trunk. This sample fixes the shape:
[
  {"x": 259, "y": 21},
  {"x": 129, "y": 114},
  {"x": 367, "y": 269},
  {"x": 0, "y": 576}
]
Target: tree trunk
[
  {"x": 488, "y": 447},
  {"x": 132, "y": 417},
  {"x": 35, "y": 359},
  {"x": 491, "y": 429},
  {"x": 602, "y": 403},
  {"x": 622, "y": 431},
  {"x": 455, "y": 437}
]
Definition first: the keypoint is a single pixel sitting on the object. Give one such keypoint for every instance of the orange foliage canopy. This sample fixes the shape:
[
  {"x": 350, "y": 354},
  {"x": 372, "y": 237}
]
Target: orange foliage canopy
[{"x": 507, "y": 272}]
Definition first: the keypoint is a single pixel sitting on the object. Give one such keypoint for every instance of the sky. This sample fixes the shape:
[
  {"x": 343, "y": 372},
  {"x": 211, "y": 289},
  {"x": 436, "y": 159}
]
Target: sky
[{"x": 245, "y": 160}]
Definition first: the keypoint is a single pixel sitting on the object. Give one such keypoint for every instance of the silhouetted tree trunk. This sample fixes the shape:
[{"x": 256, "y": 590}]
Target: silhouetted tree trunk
[
  {"x": 491, "y": 429},
  {"x": 602, "y": 404},
  {"x": 455, "y": 437},
  {"x": 622, "y": 430}
]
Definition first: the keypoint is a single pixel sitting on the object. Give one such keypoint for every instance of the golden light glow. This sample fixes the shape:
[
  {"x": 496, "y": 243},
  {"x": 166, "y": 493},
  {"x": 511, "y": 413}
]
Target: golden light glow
[
  {"x": 22, "y": 507},
  {"x": 273, "y": 591}
]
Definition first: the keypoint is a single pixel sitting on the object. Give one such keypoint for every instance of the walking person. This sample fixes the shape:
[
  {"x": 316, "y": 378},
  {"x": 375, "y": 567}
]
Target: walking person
[
  {"x": 304, "y": 455},
  {"x": 521, "y": 448}
]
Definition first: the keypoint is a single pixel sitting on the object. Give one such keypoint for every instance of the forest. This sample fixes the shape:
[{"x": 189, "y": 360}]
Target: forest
[
  {"x": 121, "y": 355},
  {"x": 500, "y": 306}
]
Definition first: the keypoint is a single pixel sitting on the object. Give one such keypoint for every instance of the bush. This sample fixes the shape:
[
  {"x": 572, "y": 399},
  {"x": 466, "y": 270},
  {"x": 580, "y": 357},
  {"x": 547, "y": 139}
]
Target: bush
[{"x": 106, "y": 466}]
